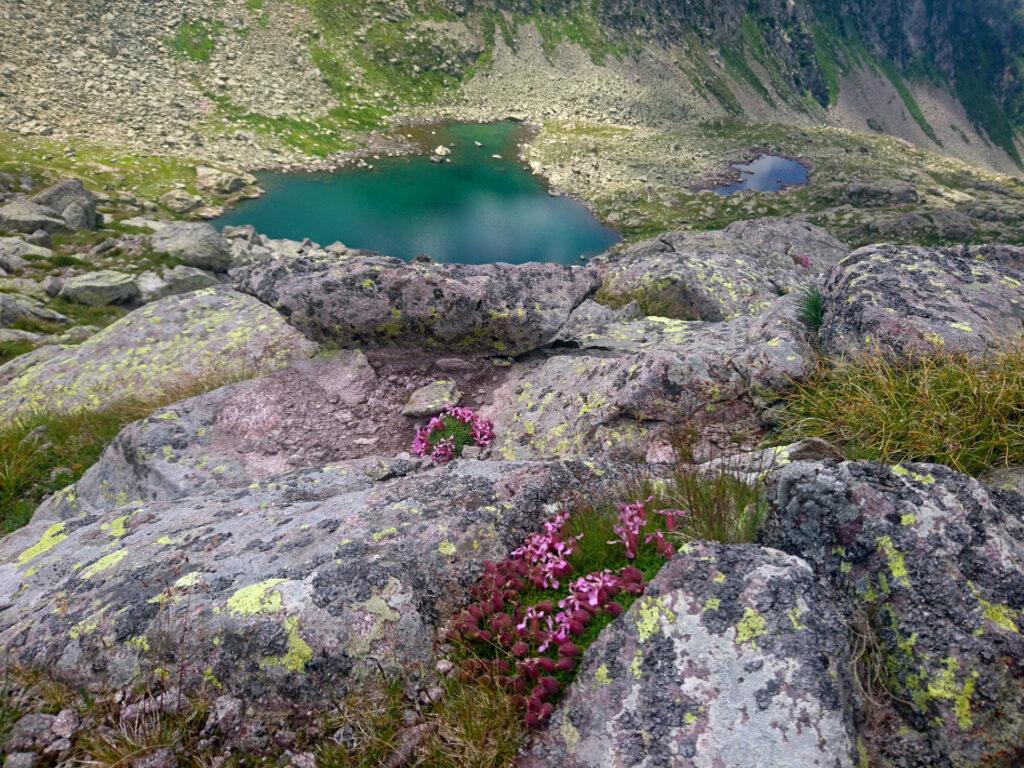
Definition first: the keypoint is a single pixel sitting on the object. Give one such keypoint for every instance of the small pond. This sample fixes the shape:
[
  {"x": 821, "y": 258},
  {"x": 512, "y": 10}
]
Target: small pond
[
  {"x": 768, "y": 173},
  {"x": 476, "y": 208}
]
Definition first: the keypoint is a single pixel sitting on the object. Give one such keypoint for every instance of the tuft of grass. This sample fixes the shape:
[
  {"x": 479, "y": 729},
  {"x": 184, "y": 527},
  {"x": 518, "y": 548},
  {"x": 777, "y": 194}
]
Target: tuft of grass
[
  {"x": 942, "y": 408},
  {"x": 83, "y": 314},
  {"x": 812, "y": 308},
  {"x": 12, "y": 349},
  {"x": 475, "y": 724}
]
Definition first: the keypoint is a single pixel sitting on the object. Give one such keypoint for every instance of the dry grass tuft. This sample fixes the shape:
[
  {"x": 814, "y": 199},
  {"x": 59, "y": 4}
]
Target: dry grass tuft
[{"x": 947, "y": 409}]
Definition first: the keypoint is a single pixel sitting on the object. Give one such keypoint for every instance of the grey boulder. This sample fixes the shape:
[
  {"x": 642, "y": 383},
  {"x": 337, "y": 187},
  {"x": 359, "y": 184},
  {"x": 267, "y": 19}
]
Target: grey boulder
[
  {"x": 719, "y": 275},
  {"x": 168, "y": 282},
  {"x": 28, "y": 217},
  {"x": 14, "y": 253},
  {"x": 75, "y": 204},
  {"x": 732, "y": 657},
  {"x": 189, "y": 341},
  {"x": 928, "y": 566},
  {"x": 297, "y": 589},
  {"x": 196, "y": 244},
  {"x": 102, "y": 288}
]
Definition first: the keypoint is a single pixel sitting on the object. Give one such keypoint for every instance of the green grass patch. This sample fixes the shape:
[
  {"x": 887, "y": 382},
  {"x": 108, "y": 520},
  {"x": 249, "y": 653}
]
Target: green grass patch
[
  {"x": 12, "y": 349},
  {"x": 947, "y": 409},
  {"x": 825, "y": 48},
  {"x": 657, "y": 300},
  {"x": 86, "y": 315},
  {"x": 196, "y": 40},
  {"x": 44, "y": 453},
  {"x": 59, "y": 260}
]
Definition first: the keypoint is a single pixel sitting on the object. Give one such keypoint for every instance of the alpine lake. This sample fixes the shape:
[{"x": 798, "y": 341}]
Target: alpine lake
[{"x": 478, "y": 205}]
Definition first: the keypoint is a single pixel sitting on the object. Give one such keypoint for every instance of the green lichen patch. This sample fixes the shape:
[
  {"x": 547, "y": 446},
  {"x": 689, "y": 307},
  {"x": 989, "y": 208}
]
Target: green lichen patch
[
  {"x": 105, "y": 563},
  {"x": 53, "y": 536},
  {"x": 256, "y": 598},
  {"x": 750, "y": 627}
]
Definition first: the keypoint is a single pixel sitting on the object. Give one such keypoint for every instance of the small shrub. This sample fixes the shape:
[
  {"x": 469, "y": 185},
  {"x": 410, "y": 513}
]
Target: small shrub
[
  {"x": 943, "y": 408},
  {"x": 812, "y": 308},
  {"x": 67, "y": 260},
  {"x": 446, "y": 435}
]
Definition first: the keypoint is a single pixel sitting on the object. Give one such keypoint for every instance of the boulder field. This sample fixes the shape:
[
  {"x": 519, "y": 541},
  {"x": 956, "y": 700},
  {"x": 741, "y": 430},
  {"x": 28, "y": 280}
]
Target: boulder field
[{"x": 283, "y": 523}]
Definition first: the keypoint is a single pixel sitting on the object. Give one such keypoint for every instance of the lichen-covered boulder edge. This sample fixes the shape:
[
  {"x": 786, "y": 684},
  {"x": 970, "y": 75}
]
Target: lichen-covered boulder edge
[
  {"x": 293, "y": 589},
  {"x": 719, "y": 275},
  {"x": 731, "y": 658},
  {"x": 174, "y": 344},
  {"x": 631, "y": 378},
  {"x": 353, "y": 298},
  {"x": 907, "y": 300},
  {"x": 931, "y": 564}
]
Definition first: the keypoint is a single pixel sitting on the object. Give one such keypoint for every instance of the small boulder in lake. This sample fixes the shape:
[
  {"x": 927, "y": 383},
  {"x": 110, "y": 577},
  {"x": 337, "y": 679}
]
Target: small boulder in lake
[
  {"x": 98, "y": 289},
  {"x": 196, "y": 244}
]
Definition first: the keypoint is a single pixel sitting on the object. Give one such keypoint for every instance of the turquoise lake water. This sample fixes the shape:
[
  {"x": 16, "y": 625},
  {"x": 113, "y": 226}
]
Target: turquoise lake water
[
  {"x": 473, "y": 210},
  {"x": 768, "y": 173}
]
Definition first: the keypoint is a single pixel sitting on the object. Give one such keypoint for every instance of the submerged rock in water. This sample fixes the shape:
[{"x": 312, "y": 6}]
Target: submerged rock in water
[
  {"x": 732, "y": 657},
  {"x": 298, "y": 589},
  {"x": 929, "y": 567},
  {"x": 358, "y": 298},
  {"x": 907, "y": 300}
]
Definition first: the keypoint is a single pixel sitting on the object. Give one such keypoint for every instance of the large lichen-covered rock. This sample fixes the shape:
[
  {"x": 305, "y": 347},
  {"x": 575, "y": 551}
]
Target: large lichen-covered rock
[
  {"x": 173, "y": 344},
  {"x": 930, "y": 564},
  {"x": 354, "y": 298},
  {"x": 731, "y": 658},
  {"x": 722, "y": 274},
  {"x": 639, "y": 374},
  {"x": 312, "y": 413},
  {"x": 294, "y": 589},
  {"x": 908, "y": 300}
]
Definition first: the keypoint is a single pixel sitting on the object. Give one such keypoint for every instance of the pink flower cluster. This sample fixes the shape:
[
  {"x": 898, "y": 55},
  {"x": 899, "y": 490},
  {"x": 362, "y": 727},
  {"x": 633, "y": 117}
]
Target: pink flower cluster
[
  {"x": 452, "y": 421},
  {"x": 801, "y": 260},
  {"x": 633, "y": 517},
  {"x": 522, "y": 637}
]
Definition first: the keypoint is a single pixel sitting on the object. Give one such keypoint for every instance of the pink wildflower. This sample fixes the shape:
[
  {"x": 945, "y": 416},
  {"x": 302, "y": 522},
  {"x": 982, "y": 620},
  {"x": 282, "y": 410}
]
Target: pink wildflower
[
  {"x": 444, "y": 451},
  {"x": 802, "y": 261},
  {"x": 632, "y": 517}
]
